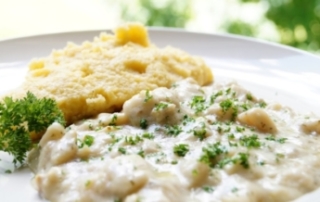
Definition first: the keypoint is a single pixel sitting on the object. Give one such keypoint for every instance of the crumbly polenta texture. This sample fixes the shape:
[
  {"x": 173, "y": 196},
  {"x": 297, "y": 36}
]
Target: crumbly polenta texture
[{"x": 99, "y": 76}]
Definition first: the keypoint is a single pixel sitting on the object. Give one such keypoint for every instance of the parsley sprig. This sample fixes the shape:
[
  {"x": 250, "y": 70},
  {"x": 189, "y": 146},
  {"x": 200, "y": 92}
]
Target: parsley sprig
[{"x": 19, "y": 118}]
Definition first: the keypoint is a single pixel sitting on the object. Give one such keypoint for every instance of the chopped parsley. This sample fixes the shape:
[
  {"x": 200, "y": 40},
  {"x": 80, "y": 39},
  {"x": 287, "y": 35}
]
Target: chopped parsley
[
  {"x": 187, "y": 119},
  {"x": 211, "y": 153},
  {"x": 214, "y": 97},
  {"x": 161, "y": 106},
  {"x": 249, "y": 97},
  {"x": 234, "y": 189},
  {"x": 148, "y": 96},
  {"x": 279, "y": 156},
  {"x": 198, "y": 103},
  {"x": 88, "y": 183},
  {"x": 181, "y": 149},
  {"x": 262, "y": 104},
  {"x": 243, "y": 159},
  {"x": 250, "y": 141},
  {"x": 88, "y": 140},
  {"x": 143, "y": 123},
  {"x": 174, "y": 130},
  {"x": 240, "y": 129},
  {"x": 280, "y": 140},
  {"x": 231, "y": 136},
  {"x": 208, "y": 189},
  {"x": 215, "y": 155},
  {"x": 228, "y": 104},
  {"x": 200, "y": 132},
  {"x": 133, "y": 140},
  {"x": 122, "y": 150},
  {"x": 113, "y": 120},
  {"x": 228, "y": 91},
  {"x": 174, "y": 162},
  {"x": 148, "y": 135},
  {"x": 141, "y": 153}
]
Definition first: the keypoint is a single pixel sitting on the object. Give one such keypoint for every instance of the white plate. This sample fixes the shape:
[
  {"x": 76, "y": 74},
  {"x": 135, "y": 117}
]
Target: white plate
[{"x": 270, "y": 71}]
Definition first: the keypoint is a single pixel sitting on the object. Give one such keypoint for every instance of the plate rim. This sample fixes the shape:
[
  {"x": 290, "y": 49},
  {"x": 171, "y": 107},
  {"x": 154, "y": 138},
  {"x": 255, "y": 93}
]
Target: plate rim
[{"x": 175, "y": 30}]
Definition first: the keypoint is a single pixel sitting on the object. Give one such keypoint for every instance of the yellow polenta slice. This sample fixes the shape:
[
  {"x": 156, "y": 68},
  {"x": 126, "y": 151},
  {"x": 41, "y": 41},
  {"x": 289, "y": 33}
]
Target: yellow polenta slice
[{"x": 99, "y": 76}]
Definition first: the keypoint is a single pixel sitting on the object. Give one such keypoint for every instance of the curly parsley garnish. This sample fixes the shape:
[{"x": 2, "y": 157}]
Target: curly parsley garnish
[{"x": 22, "y": 117}]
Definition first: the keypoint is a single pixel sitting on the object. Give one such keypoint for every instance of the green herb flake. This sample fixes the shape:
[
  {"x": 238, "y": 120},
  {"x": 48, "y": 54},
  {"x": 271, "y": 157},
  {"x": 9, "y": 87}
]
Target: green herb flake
[
  {"x": 148, "y": 136},
  {"x": 174, "y": 130},
  {"x": 141, "y": 153},
  {"x": 148, "y": 96},
  {"x": 228, "y": 91},
  {"x": 249, "y": 97},
  {"x": 143, "y": 123},
  {"x": 231, "y": 136},
  {"x": 200, "y": 132},
  {"x": 225, "y": 161},
  {"x": 234, "y": 189},
  {"x": 226, "y": 105},
  {"x": 208, "y": 189},
  {"x": 198, "y": 103},
  {"x": 113, "y": 120},
  {"x": 122, "y": 150},
  {"x": 279, "y": 140},
  {"x": 250, "y": 141},
  {"x": 187, "y": 119},
  {"x": 174, "y": 162},
  {"x": 133, "y": 140},
  {"x": 90, "y": 126},
  {"x": 161, "y": 106},
  {"x": 174, "y": 85},
  {"x": 262, "y": 104},
  {"x": 211, "y": 153},
  {"x": 214, "y": 97},
  {"x": 88, "y": 140},
  {"x": 244, "y": 106},
  {"x": 181, "y": 149},
  {"x": 240, "y": 129},
  {"x": 243, "y": 159},
  {"x": 88, "y": 183}
]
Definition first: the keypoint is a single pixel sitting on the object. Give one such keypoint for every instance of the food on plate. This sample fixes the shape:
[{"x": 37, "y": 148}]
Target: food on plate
[
  {"x": 184, "y": 143},
  {"x": 147, "y": 124},
  {"x": 23, "y": 118},
  {"x": 99, "y": 76}
]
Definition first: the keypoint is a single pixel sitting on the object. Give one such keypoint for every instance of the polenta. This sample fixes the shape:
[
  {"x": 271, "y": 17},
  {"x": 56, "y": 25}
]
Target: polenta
[{"x": 99, "y": 76}]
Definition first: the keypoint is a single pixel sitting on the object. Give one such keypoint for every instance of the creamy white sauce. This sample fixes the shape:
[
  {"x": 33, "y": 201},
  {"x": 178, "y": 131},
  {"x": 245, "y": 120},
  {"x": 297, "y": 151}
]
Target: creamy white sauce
[{"x": 186, "y": 143}]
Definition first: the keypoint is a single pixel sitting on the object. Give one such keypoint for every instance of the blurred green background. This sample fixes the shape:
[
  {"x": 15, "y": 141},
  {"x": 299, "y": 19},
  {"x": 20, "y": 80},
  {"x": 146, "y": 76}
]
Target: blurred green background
[{"x": 292, "y": 22}]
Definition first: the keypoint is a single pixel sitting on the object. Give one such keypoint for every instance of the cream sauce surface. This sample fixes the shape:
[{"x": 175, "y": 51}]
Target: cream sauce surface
[{"x": 186, "y": 143}]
